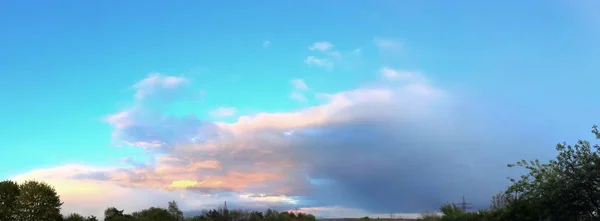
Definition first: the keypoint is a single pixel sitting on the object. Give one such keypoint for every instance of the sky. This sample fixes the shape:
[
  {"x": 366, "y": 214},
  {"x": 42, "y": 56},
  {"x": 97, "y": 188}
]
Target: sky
[{"x": 337, "y": 108}]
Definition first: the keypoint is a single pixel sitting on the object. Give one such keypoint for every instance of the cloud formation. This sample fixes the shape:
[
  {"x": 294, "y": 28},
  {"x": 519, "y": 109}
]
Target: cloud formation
[
  {"x": 321, "y": 46},
  {"x": 299, "y": 84},
  {"x": 223, "y": 112},
  {"x": 387, "y": 44},
  {"x": 297, "y": 96},
  {"x": 318, "y": 62},
  {"x": 157, "y": 84},
  {"x": 392, "y": 74},
  {"x": 402, "y": 146}
]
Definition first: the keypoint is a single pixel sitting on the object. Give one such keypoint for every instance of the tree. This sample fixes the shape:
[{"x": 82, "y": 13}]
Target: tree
[
  {"x": 38, "y": 201},
  {"x": 499, "y": 201},
  {"x": 153, "y": 214},
  {"x": 256, "y": 216},
  {"x": 271, "y": 215},
  {"x": 175, "y": 211},
  {"x": 75, "y": 217},
  {"x": 9, "y": 193},
  {"x": 567, "y": 188},
  {"x": 113, "y": 214}
]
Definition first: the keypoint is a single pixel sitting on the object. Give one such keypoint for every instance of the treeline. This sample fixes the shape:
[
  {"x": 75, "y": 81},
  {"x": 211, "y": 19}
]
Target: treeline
[
  {"x": 172, "y": 213},
  {"x": 564, "y": 189},
  {"x": 38, "y": 201}
]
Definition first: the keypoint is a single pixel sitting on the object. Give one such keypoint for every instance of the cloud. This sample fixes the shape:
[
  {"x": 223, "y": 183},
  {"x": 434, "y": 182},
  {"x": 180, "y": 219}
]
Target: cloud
[
  {"x": 223, "y": 112},
  {"x": 319, "y": 62},
  {"x": 266, "y": 44},
  {"x": 391, "y": 74},
  {"x": 402, "y": 146},
  {"x": 387, "y": 44},
  {"x": 156, "y": 83},
  {"x": 321, "y": 46},
  {"x": 297, "y": 96},
  {"x": 328, "y": 58},
  {"x": 299, "y": 84},
  {"x": 92, "y": 195}
]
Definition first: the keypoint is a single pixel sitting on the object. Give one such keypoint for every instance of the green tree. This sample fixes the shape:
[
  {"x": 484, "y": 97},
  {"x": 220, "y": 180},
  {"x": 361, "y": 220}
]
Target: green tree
[
  {"x": 256, "y": 216},
  {"x": 111, "y": 213},
  {"x": 175, "y": 211},
  {"x": 9, "y": 193},
  {"x": 75, "y": 217},
  {"x": 271, "y": 215},
  {"x": 309, "y": 217},
  {"x": 38, "y": 201},
  {"x": 154, "y": 214},
  {"x": 567, "y": 188}
]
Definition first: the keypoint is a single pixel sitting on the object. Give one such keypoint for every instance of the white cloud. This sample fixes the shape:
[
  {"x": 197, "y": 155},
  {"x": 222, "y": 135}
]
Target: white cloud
[
  {"x": 392, "y": 74},
  {"x": 223, "y": 112},
  {"x": 387, "y": 44},
  {"x": 297, "y": 96},
  {"x": 321, "y": 46},
  {"x": 266, "y": 43},
  {"x": 329, "y": 57},
  {"x": 156, "y": 83},
  {"x": 299, "y": 84},
  {"x": 319, "y": 62}
]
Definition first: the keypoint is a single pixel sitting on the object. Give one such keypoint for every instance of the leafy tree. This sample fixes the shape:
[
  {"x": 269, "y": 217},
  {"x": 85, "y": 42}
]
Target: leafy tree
[
  {"x": 256, "y": 216},
  {"x": 175, "y": 211},
  {"x": 239, "y": 215},
  {"x": 9, "y": 193},
  {"x": 271, "y": 215},
  {"x": 499, "y": 201},
  {"x": 113, "y": 214},
  {"x": 563, "y": 189},
  {"x": 75, "y": 217},
  {"x": 309, "y": 217},
  {"x": 154, "y": 214},
  {"x": 212, "y": 214},
  {"x": 38, "y": 201}
]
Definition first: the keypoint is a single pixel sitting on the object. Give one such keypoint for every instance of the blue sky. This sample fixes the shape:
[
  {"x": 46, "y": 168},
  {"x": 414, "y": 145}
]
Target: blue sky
[{"x": 524, "y": 73}]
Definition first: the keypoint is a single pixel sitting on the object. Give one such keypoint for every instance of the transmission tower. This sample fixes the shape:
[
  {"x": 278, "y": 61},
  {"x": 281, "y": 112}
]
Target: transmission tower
[{"x": 464, "y": 205}]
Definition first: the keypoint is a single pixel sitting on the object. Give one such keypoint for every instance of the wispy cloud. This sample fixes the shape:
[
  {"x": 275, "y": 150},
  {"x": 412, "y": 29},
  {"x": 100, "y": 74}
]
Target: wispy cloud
[
  {"x": 322, "y": 46},
  {"x": 266, "y": 44},
  {"x": 297, "y": 96},
  {"x": 299, "y": 84},
  {"x": 223, "y": 112},
  {"x": 392, "y": 74},
  {"x": 328, "y": 57},
  {"x": 388, "y": 44},
  {"x": 319, "y": 62},
  {"x": 156, "y": 83}
]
